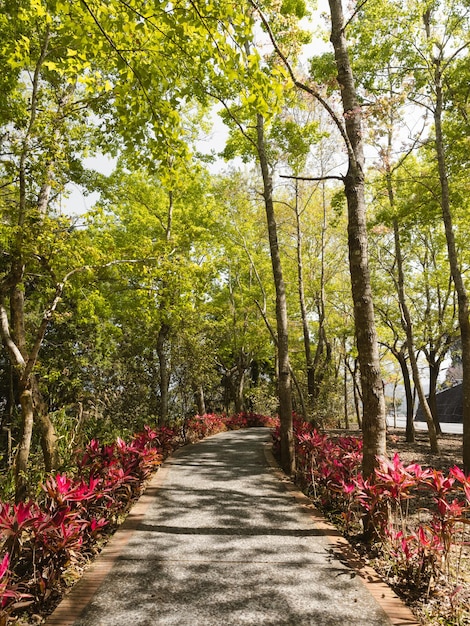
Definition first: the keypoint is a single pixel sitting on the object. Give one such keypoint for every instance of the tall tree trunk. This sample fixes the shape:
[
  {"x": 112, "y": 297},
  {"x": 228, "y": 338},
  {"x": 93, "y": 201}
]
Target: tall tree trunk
[
  {"x": 24, "y": 446},
  {"x": 162, "y": 353},
  {"x": 21, "y": 361},
  {"x": 405, "y": 315},
  {"x": 434, "y": 369},
  {"x": 292, "y": 373},
  {"x": 373, "y": 423},
  {"x": 240, "y": 384},
  {"x": 33, "y": 408},
  {"x": 357, "y": 395},
  {"x": 284, "y": 377},
  {"x": 18, "y": 362},
  {"x": 405, "y": 372},
  {"x": 322, "y": 359},
  {"x": 345, "y": 394},
  {"x": 162, "y": 346},
  {"x": 309, "y": 362},
  {"x": 46, "y": 428},
  {"x": 408, "y": 328},
  {"x": 457, "y": 276},
  {"x": 199, "y": 400},
  {"x": 303, "y": 308}
]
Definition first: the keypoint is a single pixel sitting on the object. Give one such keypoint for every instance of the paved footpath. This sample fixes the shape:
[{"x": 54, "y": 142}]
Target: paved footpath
[{"x": 222, "y": 538}]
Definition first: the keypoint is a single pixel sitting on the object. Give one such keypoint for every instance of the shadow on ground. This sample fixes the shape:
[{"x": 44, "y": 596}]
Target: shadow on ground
[{"x": 223, "y": 544}]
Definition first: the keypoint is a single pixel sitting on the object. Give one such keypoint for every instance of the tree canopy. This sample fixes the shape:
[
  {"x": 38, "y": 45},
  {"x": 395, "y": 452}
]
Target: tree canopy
[{"x": 237, "y": 280}]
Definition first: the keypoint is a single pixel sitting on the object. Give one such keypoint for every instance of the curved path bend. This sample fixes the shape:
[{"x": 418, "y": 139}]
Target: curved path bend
[{"x": 222, "y": 538}]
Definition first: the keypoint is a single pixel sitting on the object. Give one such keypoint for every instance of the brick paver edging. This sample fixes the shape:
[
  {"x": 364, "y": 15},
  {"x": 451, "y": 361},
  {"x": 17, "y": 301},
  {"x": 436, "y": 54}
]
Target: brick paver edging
[
  {"x": 398, "y": 613},
  {"x": 73, "y": 604}
]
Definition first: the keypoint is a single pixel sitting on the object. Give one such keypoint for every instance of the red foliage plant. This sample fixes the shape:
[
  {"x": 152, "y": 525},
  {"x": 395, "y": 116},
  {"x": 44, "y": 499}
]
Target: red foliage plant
[{"x": 329, "y": 468}]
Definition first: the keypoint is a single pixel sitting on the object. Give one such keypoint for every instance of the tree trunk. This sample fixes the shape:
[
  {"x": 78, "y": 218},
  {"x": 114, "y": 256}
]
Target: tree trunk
[
  {"x": 322, "y": 359},
  {"x": 46, "y": 428},
  {"x": 405, "y": 315},
  {"x": 284, "y": 377},
  {"x": 457, "y": 276},
  {"x": 405, "y": 372},
  {"x": 22, "y": 454},
  {"x": 303, "y": 308},
  {"x": 33, "y": 408},
  {"x": 434, "y": 369},
  {"x": 240, "y": 386},
  {"x": 199, "y": 400},
  {"x": 11, "y": 287},
  {"x": 357, "y": 397},
  {"x": 373, "y": 423},
  {"x": 32, "y": 405},
  {"x": 408, "y": 328},
  {"x": 162, "y": 352},
  {"x": 462, "y": 296}
]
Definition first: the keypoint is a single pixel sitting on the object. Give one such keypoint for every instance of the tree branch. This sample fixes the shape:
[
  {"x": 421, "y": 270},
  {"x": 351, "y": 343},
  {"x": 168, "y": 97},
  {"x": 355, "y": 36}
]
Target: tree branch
[
  {"x": 313, "y": 178},
  {"x": 10, "y": 345},
  {"x": 299, "y": 84}
]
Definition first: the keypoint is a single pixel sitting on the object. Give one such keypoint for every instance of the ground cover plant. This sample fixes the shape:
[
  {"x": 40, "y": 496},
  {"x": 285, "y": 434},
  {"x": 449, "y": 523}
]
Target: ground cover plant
[
  {"x": 420, "y": 519},
  {"x": 44, "y": 541}
]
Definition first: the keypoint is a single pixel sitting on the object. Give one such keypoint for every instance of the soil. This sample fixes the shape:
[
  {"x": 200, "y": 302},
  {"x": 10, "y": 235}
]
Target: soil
[{"x": 418, "y": 452}]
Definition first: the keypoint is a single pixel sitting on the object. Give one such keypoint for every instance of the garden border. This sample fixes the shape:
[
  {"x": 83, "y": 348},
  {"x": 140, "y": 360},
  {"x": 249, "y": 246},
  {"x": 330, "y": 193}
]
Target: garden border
[
  {"x": 394, "y": 607},
  {"x": 74, "y": 603}
]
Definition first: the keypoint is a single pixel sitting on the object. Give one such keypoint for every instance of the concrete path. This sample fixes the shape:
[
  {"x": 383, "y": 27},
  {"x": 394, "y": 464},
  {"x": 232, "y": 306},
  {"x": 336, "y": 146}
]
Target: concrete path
[{"x": 221, "y": 539}]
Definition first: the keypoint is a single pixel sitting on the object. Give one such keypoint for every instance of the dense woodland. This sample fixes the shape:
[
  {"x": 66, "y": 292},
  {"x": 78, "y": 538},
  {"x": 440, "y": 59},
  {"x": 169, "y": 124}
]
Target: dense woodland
[{"x": 324, "y": 261}]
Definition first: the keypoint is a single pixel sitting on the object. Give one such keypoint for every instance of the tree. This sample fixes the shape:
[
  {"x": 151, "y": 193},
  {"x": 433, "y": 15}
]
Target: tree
[
  {"x": 250, "y": 88},
  {"x": 351, "y": 133},
  {"x": 371, "y": 381},
  {"x": 36, "y": 115},
  {"x": 284, "y": 374},
  {"x": 299, "y": 135},
  {"x": 168, "y": 220},
  {"x": 399, "y": 280},
  {"x": 242, "y": 297},
  {"x": 432, "y": 39},
  {"x": 439, "y": 65},
  {"x": 75, "y": 76}
]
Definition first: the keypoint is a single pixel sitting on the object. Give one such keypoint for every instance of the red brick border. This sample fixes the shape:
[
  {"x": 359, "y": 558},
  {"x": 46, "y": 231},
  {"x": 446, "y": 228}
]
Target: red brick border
[{"x": 73, "y": 604}]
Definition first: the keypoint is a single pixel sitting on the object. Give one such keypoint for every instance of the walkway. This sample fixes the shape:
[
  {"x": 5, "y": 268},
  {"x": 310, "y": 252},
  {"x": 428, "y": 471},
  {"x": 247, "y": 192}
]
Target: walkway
[{"x": 221, "y": 539}]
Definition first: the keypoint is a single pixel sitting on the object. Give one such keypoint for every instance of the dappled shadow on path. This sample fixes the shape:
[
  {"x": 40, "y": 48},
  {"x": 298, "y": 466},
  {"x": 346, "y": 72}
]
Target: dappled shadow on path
[
  {"x": 224, "y": 544},
  {"x": 247, "y": 532}
]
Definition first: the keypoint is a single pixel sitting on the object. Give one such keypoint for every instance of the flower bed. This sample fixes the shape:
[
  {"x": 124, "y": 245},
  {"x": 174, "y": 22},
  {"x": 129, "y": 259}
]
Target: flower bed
[{"x": 419, "y": 515}]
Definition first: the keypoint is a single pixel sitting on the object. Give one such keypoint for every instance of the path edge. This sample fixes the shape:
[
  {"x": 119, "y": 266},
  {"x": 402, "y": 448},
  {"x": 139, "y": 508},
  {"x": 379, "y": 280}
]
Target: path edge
[
  {"x": 396, "y": 610},
  {"x": 81, "y": 593}
]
